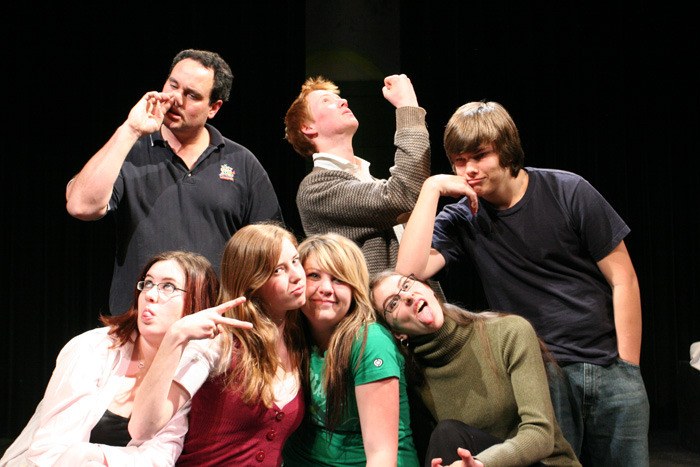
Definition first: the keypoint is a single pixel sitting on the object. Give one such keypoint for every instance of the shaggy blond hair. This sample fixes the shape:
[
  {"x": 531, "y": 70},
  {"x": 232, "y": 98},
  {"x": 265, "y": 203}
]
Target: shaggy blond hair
[{"x": 341, "y": 258}]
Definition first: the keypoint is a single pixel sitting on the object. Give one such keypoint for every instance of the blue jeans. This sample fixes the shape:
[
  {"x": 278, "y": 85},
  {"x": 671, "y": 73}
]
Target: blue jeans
[{"x": 603, "y": 412}]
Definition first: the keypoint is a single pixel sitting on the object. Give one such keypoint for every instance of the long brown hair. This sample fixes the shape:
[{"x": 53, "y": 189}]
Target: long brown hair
[
  {"x": 249, "y": 259},
  {"x": 201, "y": 284}
]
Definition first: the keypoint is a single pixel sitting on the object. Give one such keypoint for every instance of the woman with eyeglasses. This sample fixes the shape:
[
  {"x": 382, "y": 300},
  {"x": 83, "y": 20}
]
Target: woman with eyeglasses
[
  {"x": 481, "y": 375},
  {"x": 358, "y": 412},
  {"x": 245, "y": 385},
  {"x": 84, "y": 415}
]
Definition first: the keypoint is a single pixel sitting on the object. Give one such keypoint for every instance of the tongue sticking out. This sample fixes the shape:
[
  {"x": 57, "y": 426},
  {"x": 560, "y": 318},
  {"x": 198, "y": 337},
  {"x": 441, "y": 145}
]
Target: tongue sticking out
[{"x": 425, "y": 314}]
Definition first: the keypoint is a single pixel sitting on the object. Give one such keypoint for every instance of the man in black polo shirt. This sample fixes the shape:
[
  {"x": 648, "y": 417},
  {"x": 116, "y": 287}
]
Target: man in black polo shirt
[{"x": 171, "y": 180}]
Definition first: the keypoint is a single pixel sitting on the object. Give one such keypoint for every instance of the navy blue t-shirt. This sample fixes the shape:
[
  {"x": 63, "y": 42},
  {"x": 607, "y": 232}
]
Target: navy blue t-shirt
[{"x": 538, "y": 259}]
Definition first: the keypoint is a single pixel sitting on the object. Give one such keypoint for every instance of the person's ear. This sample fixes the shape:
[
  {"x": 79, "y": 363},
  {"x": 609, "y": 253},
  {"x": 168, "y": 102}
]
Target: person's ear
[
  {"x": 309, "y": 130},
  {"x": 400, "y": 336},
  {"x": 214, "y": 108}
]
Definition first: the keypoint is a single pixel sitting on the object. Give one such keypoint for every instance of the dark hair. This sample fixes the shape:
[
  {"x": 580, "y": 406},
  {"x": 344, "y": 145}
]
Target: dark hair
[
  {"x": 223, "y": 77},
  {"x": 201, "y": 283}
]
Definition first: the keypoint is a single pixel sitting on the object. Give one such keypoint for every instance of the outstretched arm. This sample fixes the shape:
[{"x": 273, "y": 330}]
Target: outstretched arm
[
  {"x": 88, "y": 193},
  {"x": 627, "y": 308},
  {"x": 415, "y": 253},
  {"x": 159, "y": 397}
]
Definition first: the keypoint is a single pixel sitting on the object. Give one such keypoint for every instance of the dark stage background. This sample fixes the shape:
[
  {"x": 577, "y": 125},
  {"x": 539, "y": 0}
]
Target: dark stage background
[{"x": 609, "y": 92}]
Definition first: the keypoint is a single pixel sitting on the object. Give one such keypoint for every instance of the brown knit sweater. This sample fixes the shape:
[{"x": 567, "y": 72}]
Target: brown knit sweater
[{"x": 335, "y": 201}]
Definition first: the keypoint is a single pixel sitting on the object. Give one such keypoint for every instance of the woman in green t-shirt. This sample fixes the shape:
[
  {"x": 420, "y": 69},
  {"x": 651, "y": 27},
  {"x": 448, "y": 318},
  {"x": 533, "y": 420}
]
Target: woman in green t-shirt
[{"x": 357, "y": 408}]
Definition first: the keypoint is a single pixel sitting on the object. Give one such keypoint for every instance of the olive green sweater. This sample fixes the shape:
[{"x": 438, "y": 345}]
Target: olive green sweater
[{"x": 505, "y": 394}]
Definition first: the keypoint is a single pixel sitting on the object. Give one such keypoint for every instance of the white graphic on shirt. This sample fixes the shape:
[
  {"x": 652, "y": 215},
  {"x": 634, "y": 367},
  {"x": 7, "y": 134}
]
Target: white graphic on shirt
[{"x": 227, "y": 173}]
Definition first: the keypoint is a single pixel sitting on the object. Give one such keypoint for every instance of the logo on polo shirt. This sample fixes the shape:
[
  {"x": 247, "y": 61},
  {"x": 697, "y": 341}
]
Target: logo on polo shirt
[
  {"x": 227, "y": 173},
  {"x": 378, "y": 362}
]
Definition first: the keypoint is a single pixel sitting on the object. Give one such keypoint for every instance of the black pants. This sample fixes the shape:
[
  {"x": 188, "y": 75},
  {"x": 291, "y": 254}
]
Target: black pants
[{"x": 449, "y": 435}]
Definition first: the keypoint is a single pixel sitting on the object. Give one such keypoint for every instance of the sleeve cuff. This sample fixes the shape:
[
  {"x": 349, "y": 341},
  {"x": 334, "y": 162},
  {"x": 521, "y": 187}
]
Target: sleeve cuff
[{"x": 410, "y": 116}]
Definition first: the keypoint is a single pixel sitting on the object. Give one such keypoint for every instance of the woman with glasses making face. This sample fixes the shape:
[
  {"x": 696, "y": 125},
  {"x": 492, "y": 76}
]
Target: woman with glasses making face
[
  {"x": 245, "y": 385},
  {"x": 358, "y": 413},
  {"x": 481, "y": 375},
  {"x": 84, "y": 415}
]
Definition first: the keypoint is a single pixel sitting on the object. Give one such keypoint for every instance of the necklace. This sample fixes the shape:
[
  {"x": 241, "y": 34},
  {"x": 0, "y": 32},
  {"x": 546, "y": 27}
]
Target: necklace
[{"x": 137, "y": 351}]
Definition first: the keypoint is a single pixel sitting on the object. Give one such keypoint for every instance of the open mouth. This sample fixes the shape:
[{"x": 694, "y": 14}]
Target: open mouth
[{"x": 424, "y": 313}]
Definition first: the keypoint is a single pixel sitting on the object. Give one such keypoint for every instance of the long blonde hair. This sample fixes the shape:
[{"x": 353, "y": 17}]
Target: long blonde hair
[
  {"x": 249, "y": 259},
  {"x": 343, "y": 259}
]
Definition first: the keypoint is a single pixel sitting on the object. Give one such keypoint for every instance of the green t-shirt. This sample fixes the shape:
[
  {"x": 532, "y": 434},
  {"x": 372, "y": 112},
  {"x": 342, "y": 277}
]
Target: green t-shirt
[{"x": 313, "y": 445}]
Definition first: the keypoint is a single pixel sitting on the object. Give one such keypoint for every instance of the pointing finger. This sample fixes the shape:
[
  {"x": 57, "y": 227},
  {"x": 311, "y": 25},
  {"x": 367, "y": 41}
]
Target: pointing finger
[
  {"x": 221, "y": 309},
  {"x": 236, "y": 323}
]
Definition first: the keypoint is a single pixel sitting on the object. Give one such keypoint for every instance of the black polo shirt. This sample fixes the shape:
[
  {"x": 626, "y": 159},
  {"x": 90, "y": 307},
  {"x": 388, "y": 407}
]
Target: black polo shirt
[{"x": 159, "y": 204}]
